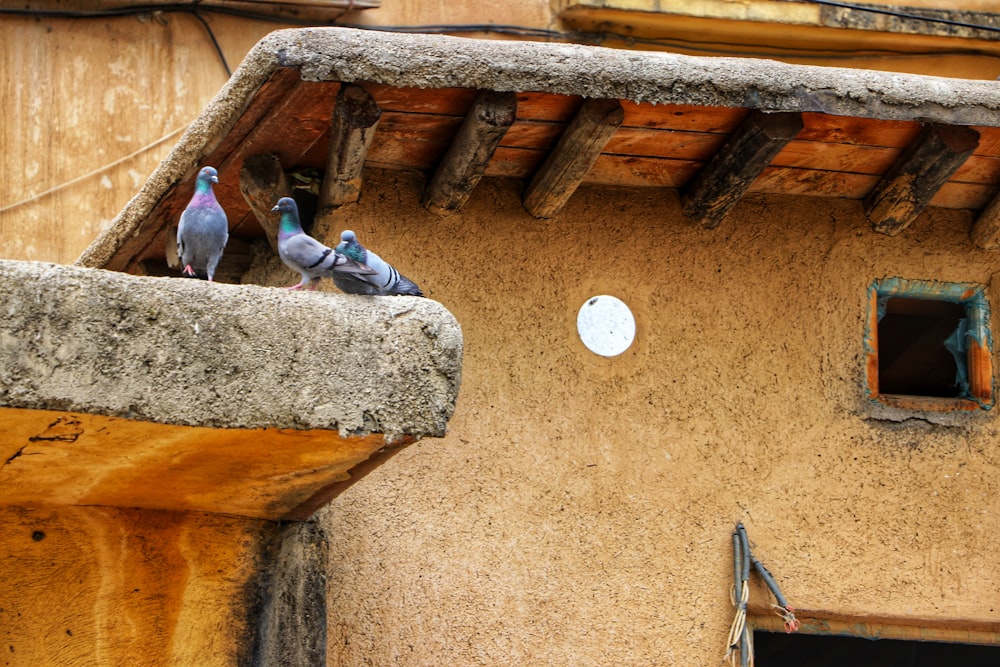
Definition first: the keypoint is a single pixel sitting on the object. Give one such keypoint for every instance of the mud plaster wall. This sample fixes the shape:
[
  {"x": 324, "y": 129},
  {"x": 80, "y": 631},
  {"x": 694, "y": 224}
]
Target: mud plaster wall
[{"x": 580, "y": 509}]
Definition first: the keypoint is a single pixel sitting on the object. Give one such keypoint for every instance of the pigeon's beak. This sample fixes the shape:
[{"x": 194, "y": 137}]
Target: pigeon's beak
[
  {"x": 215, "y": 179},
  {"x": 275, "y": 208}
]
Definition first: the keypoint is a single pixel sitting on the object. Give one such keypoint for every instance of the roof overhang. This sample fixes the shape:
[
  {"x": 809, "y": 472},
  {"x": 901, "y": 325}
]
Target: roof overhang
[{"x": 559, "y": 115}]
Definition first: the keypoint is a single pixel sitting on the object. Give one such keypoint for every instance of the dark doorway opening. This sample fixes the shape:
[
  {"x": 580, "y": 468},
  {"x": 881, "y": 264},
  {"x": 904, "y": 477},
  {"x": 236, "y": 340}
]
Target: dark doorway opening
[
  {"x": 803, "y": 650},
  {"x": 913, "y": 358}
]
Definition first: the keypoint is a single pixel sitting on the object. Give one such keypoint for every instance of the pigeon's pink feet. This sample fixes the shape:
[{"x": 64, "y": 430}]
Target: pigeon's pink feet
[
  {"x": 295, "y": 286},
  {"x": 188, "y": 271}
]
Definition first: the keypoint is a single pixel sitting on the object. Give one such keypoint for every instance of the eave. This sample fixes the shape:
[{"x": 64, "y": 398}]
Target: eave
[{"x": 616, "y": 118}]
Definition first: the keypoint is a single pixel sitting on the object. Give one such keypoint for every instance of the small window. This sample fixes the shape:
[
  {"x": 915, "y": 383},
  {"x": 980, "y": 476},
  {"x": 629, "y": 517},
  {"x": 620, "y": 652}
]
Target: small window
[{"x": 928, "y": 345}]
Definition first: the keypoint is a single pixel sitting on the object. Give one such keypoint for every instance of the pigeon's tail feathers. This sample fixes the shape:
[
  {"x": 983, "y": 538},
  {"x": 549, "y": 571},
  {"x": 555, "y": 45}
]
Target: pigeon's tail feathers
[
  {"x": 394, "y": 283},
  {"x": 406, "y": 287}
]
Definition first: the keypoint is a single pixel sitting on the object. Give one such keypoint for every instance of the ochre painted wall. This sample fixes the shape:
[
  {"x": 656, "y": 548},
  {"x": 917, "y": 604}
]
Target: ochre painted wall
[
  {"x": 580, "y": 509},
  {"x": 108, "y": 586}
]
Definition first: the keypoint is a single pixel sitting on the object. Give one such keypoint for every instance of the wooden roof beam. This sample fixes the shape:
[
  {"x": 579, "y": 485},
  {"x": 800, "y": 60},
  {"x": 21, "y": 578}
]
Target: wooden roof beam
[
  {"x": 464, "y": 164},
  {"x": 263, "y": 182},
  {"x": 355, "y": 119},
  {"x": 919, "y": 172},
  {"x": 573, "y": 156},
  {"x": 728, "y": 176}
]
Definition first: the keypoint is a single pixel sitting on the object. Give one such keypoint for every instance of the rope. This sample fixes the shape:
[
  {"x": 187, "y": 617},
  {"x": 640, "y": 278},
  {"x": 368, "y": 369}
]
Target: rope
[{"x": 99, "y": 170}]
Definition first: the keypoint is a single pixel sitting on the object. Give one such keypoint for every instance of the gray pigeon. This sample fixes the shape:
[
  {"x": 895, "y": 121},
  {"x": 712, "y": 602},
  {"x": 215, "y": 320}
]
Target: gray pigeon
[
  {"x": 308, "y": 256},
  {"x": 387, "y": 282},
  {"x": 203, "y": 229}
]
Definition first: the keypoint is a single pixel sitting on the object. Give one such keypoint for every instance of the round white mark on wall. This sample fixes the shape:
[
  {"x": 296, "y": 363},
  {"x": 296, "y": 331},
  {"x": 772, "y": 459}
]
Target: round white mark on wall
[{"x": 606, "y": 325}]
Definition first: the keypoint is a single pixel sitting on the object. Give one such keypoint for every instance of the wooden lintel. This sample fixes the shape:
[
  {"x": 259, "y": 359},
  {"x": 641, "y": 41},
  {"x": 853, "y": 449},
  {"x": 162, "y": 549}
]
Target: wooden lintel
[
  {"x": 463, "y": 165},
  {"x": 986, "y": 231},
  {"x": 919, "y": 172},
  {"x": 573, "y": 156},
  {"x": 355, "y": 119},
  {"x": 730, "y": 173},
  {"x": 263, "y": 183}
]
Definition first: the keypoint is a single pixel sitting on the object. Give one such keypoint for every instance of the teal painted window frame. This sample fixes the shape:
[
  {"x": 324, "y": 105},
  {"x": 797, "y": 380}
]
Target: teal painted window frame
[{"x": 973, "y": 338}]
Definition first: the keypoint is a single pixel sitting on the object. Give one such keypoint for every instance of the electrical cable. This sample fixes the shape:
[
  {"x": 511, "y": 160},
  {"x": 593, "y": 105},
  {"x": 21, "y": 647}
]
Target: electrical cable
[
  {"x": 902, "y": 15},
  {"x": 215, "y": 42}
]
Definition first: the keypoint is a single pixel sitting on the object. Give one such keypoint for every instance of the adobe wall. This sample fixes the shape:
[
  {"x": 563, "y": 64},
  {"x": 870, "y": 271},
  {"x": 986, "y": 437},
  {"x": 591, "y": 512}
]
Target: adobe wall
[{"x": 580, "y": 509}]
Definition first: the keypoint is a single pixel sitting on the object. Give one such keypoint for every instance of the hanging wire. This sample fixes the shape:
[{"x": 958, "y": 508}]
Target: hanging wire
[
  {"x": 886, "y": 11},
  {"x": 211, "y": 36},
  {"x": 739, "y": 645}
]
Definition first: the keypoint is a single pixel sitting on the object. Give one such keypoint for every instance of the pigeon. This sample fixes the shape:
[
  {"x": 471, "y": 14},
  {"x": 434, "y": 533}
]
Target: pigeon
[
  {"x": 387, "y": 282},
  {"x": 308, "y": 256},
  {"x": 203, "y": 229}
]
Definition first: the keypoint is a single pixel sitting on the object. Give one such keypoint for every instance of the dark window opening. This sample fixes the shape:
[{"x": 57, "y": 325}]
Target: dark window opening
[
  {"x": 928, "y": 345},
  {"x": 914, "y": 337},
  {"x": 803, "y": 650}
]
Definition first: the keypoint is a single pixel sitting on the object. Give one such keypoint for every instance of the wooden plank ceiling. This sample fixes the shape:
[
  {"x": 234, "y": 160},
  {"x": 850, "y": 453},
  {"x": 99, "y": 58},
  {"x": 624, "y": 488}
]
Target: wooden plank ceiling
[{"x": 712, "y": 155}]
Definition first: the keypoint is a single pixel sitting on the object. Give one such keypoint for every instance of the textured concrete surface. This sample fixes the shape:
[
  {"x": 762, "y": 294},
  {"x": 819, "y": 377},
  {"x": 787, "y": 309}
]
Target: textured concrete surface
[
  {"x": 432, "y": 61},
  {"x": 188, "y": 352}
]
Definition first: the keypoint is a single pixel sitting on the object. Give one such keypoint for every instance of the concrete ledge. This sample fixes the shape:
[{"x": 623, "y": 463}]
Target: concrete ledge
[{"x": 180, "y": 394}]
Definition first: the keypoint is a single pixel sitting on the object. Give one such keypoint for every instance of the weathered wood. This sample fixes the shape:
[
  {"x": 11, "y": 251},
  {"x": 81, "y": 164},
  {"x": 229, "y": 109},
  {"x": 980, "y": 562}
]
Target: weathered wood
[
  {"x": 447, "y": 101},
  {"x": 912, "y": 181},
  {"x": 465, "y": 162},
  {"x": 730, "y": 173},
  {"x": 857, "y": 131},
  {"x": 986, "y": 231},
  {"x": 292, "y": 616},
  {"x": 263, "y": 182},
  {"x": 578, "y": 147},
  {"x": 355, "y": 119}
]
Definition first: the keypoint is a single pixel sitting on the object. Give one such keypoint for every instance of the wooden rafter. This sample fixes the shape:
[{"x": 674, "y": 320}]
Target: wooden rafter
[
  {"x": 464, "y": 164},
  {"x": 355, "y": 119},
  {"x": 574, "y": 154},
  {"x": 729, "y": 174},
  {"x": 263, "y": 182},
  {"x": 912, "y": 181}
]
